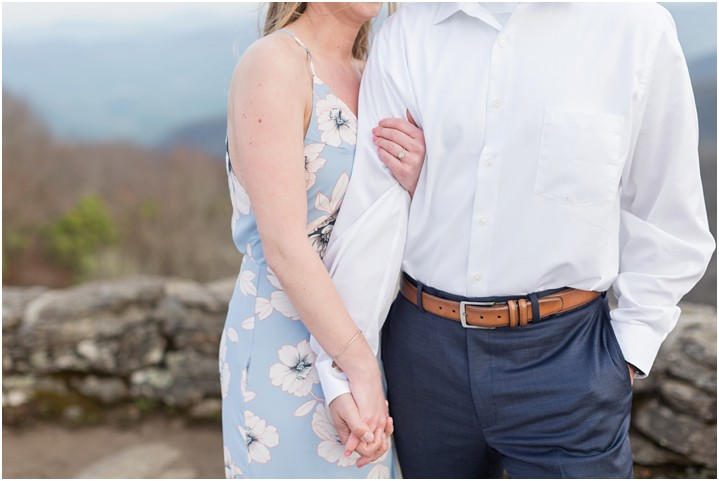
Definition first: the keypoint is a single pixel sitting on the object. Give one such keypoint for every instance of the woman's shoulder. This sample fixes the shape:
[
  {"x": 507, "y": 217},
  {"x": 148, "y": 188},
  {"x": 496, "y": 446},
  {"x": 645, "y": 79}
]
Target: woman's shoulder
[{"x": 275, "y": 60}]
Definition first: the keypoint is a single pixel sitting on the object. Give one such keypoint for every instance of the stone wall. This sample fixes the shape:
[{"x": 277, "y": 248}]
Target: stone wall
[
  {"x": 147, "y": 341},
  {"x": 85, "y": 353}
]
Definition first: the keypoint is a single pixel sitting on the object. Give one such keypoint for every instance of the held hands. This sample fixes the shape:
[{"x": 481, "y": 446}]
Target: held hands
[
  {"x": 361, "y": 416},
  {"x": 400, "y": 145},
  {"x": 356, "y": 434}
]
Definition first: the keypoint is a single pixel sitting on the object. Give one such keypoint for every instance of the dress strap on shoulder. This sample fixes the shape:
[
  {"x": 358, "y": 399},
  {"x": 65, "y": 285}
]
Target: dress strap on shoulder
[{"x": 301, "y": 44}]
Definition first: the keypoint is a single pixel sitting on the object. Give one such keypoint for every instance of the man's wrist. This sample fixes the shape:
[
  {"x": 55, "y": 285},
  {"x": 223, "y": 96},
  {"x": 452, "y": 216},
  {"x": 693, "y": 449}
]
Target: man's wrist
[{"x": 635, "y": 369}]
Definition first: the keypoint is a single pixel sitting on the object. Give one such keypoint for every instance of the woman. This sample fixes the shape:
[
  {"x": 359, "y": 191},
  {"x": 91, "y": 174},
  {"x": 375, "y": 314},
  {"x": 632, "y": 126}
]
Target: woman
[{"x": 294, "y": 93}]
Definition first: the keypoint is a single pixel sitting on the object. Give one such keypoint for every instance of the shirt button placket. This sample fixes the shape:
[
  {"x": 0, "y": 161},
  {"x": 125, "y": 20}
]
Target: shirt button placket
[{"x": 488, "y": 175}]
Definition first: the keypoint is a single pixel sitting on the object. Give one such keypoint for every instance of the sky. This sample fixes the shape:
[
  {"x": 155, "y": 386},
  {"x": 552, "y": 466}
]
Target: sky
[
  {"x": 92, "y": 19},
  {"x": 143, "y": 70},
  {"x": 103, "y": 19}
]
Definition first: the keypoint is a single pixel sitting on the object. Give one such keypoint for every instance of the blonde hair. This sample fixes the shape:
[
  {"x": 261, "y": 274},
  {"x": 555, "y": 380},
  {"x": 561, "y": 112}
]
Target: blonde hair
[{"x": 281, "y": 14}]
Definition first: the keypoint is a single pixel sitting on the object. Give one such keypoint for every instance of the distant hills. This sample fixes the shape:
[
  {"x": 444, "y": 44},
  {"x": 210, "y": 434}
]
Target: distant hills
[
  {"x": 138, "y": 87},
  {"x": 704, "y": 81},
  {"x": 160, "y": 83},
  {"x": 206, "y": 135},
  {"x": 209, "y": 135}
]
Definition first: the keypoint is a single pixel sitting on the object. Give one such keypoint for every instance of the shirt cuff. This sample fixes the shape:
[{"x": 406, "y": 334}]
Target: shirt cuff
[
  {"x": 334, "y": 383},
  {"x": 639, "y": 343}
]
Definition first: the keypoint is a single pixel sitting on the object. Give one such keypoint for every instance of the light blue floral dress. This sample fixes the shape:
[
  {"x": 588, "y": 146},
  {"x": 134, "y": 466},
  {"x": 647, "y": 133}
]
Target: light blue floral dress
[{"x": 274, "y": 420}]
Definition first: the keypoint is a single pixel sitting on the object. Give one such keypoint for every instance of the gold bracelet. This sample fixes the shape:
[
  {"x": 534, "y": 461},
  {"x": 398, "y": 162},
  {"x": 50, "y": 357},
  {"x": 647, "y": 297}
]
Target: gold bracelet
[{"x": 334, "y": 359}]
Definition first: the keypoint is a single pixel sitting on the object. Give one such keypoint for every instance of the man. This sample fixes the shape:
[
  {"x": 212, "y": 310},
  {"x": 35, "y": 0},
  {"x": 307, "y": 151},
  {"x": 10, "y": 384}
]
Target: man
[{"x": 561, "y": 161}]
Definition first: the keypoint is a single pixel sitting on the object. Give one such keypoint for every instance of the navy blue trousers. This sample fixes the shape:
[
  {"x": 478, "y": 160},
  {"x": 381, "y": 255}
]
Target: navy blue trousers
[{"x": 548, "y": 400}]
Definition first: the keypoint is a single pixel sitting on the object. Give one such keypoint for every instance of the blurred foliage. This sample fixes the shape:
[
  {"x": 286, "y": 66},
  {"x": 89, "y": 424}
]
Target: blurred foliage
[
  {"x": 83, "y": 211},
  {"x": 81, "y": 233},
  {"x": 149, "y": 209},
  {"x": 13, "y": 243}
]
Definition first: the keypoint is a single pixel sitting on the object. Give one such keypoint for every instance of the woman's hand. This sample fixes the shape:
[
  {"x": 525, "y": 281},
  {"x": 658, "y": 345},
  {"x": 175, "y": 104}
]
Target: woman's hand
[
  {"x": 354, "y": 433},
  {"x": 365, "y": 381},
  {"x": 400, "y": 145}
]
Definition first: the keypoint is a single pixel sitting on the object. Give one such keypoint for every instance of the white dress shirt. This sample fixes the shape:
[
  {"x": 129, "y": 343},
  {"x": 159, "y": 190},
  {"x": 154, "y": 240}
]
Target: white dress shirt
[{"x": 561, "y": 151}]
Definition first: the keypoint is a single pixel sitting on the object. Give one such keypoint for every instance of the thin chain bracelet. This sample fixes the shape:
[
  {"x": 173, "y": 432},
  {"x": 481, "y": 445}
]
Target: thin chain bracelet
[{"x": 334, "y": 359}]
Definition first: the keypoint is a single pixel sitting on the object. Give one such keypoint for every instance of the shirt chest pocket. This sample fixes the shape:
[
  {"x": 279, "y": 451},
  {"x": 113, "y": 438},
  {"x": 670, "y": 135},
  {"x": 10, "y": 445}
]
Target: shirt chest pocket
[{"x": 580, "y": 157}]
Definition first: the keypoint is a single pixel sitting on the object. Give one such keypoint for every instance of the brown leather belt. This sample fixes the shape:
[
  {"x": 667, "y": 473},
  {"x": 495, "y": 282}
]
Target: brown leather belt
[{"x": 489, "y": 315}]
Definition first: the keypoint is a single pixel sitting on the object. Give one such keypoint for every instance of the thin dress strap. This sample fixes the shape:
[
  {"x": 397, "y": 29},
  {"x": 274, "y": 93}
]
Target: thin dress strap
[{"x": 301, "y": 44}]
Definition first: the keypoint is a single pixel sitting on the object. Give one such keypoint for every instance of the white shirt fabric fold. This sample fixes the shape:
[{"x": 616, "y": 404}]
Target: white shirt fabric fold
[{"x": 561, "y": 151}]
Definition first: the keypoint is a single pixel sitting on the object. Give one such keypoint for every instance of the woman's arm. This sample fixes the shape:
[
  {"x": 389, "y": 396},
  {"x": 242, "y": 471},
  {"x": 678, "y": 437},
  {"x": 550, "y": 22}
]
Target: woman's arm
[
  {"x": 365, "y": 250},
  {"x": 269, "y": 97}
]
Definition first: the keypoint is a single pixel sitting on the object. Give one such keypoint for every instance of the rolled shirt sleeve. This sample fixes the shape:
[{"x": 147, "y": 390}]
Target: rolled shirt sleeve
[
  {"x": 665, "y": 243},
  {"x": 364, "y": 254}
]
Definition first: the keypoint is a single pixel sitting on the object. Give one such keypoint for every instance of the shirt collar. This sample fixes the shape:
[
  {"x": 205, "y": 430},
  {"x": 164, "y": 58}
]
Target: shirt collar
[
  {"x": 473, "y": 9},
  {"x": 447, "y": 9}
]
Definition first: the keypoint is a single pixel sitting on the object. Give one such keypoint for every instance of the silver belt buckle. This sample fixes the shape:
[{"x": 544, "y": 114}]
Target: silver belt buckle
[{"x": 463, "y": 313}]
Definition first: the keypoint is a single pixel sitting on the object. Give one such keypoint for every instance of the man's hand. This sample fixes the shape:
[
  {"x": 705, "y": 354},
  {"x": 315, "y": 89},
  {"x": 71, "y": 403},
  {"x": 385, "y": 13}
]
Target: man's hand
[
  {"x": 365, "y": 381},
  {"x": 632, "y": 372},
  {"x": 355, "y": 433}
]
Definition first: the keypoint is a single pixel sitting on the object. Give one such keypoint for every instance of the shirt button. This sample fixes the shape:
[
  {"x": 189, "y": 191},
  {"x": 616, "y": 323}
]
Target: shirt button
[
  {"x": 497, "y": 103},
  {"x": 477, "y": 277},
  {"x": 502, "y": 42},
  {"x": 483, "y": 221},
  {"x": 490, "y": 162}
]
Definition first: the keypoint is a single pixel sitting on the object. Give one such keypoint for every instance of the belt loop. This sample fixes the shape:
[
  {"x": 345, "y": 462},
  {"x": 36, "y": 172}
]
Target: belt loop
[
  {"x": 420, "y": 286},
  {"x": 534, "y": 300},
  {"x": 523, "y": 315},
  {"x": 513, "y": 313}
]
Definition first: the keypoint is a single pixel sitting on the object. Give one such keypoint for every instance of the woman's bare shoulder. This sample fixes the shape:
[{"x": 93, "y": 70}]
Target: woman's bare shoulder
[{"x": 272, "y": 62}]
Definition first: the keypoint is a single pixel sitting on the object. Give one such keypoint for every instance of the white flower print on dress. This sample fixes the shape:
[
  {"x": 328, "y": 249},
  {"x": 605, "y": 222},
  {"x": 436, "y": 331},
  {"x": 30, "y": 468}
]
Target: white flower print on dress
[
  {"x": 305, "y": 408},
  {"x": 332, "y": 204},
  {"x": 282, "y": 304},
  {"x": 263, "y": 308},
  {"x": 240, "y": 199},
  {"x": 246, "y": 395},
  {"x": 313, "y": 163},
  {"x": 278, "y": 301},
  {"x": 330, "y": 448},
  {"x": 319, "y": 230},
  {"x": 247, "y": 286},
  {"x": 224, "y": 366},
  {"x": 379, "y": 471},
  {"x": 273, "y": 278},
  {"x": 295, "y": 372},
  {"x": 248, "y": 323},
  {"x": 259, "y": 436},
  {"x": 336, "y": 122},
  {"x": 232, "y": 470},
  {"x": 225, "y": 379}
]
